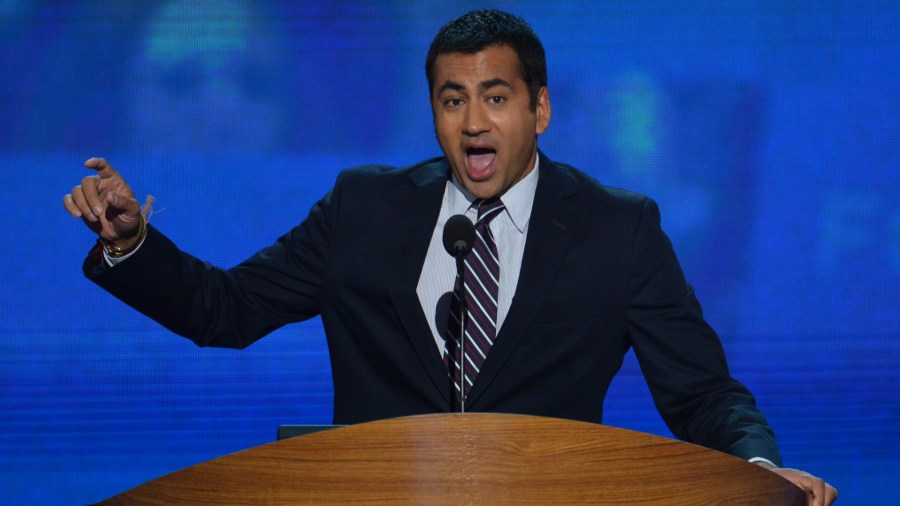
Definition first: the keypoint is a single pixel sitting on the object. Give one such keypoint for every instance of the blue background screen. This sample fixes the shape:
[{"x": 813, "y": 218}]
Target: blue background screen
[{"x": 767, "y": 131}]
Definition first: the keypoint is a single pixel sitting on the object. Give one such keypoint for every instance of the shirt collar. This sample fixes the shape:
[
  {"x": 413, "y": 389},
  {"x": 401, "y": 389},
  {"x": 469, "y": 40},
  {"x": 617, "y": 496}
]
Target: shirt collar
[{"x": 518, "y": 199}]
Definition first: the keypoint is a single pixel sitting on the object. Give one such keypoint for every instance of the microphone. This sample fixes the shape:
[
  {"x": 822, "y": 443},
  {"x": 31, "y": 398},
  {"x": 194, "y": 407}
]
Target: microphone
[
  {"x": 459, "y": 239},
  {"x": 459, "y": 236}
]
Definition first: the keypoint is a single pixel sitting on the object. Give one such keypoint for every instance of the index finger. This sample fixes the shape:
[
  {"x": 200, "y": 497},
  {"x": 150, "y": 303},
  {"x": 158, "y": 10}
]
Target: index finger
[{"x": 103, "y": 168}]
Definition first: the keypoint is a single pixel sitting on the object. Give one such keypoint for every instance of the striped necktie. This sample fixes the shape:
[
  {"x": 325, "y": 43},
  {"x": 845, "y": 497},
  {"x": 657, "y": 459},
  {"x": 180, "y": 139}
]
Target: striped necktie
[{"x": 482, "y": 288}]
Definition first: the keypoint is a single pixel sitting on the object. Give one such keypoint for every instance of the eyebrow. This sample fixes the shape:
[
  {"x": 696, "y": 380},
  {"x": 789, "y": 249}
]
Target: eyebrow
[
  {"x": 491, "y": 83},
  {"x": 484, "y": 85},
  {"x": 450, "y": 85}
]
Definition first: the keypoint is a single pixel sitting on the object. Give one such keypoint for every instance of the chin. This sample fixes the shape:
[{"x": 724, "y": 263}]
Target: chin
[{"x": 484, "y": 191}]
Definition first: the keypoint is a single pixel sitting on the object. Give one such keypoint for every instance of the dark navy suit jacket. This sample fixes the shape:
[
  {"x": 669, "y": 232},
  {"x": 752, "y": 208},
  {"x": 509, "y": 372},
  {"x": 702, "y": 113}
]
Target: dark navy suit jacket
[{"x": 598, "y": 277}]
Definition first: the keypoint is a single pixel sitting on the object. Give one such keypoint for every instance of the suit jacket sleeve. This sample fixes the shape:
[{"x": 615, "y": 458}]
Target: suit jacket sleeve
[
  {"x": 682, "y": 357},
  {"x": 226, "y": 308}
]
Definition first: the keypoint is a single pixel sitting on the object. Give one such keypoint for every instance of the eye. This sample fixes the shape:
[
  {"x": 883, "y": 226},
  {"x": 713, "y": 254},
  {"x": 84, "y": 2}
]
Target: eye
[
  {"x": 452, "y": 103},
  {"x": 496, "y": 99}
]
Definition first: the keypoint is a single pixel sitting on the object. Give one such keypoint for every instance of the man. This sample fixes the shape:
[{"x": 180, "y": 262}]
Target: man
[{"x": 565, "y": 275}]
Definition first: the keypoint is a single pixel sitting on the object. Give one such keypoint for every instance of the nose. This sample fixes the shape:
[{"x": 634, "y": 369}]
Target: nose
[{"x": 476, "y": 120}]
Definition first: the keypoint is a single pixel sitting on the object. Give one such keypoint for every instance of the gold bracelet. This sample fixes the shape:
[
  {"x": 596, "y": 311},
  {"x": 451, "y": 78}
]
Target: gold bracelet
[{"x": 117, "y": 252}]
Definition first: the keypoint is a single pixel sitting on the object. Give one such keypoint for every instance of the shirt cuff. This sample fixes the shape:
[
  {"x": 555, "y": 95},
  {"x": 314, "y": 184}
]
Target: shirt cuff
[
  {"x": 112, "y": 262},
  {"x": 754, "y": 460}
]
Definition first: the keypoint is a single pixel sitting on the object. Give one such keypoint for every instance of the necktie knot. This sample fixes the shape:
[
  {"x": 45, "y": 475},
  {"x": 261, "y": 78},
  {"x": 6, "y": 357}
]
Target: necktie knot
[{"x": 488, "y": 209}]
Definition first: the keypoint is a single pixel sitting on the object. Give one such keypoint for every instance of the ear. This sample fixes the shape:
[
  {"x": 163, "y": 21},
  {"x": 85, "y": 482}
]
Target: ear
[{"x": 542, "y": 110}]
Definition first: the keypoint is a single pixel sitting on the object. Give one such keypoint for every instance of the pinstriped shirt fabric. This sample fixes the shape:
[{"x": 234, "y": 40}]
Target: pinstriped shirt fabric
[{"x": 509, "y": 228}]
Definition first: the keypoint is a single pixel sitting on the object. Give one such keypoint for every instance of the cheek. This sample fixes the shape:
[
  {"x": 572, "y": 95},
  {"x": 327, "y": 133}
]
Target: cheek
[
  {"x": 444, "y": 140},
  {"x": 514, "y": 134},
  {"x": 443, "y": 127},
  {"x": 511, "y": 126},
  {"x": 447, "y": 141}
]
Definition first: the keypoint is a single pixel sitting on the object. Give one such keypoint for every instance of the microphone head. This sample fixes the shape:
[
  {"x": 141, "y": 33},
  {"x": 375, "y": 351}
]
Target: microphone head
[{"x": 459, "y": 235}]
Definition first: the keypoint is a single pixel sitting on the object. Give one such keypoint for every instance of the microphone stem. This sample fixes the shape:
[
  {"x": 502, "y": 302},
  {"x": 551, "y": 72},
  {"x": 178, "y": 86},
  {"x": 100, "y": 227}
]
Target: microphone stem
[{"x": 463, "y": 313}]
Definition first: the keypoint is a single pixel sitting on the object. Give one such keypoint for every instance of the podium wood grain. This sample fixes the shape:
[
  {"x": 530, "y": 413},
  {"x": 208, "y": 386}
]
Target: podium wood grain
[{"x": 471, "y": 459}]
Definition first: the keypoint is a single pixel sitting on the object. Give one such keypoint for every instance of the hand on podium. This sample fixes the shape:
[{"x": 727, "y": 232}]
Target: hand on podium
[{"x": 818, "y": 492}]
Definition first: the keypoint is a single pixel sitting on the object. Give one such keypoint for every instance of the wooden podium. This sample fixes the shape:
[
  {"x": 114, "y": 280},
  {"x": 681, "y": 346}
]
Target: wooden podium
[{"x": 471, "y": 459}]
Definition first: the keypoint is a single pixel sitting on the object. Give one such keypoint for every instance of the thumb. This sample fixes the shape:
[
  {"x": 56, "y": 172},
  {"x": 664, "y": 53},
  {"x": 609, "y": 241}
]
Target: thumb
[{"x": 122, "y": 203}]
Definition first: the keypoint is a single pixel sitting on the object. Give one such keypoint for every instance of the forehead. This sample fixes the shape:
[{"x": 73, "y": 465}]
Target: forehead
[{"x": 493, "y": 62}]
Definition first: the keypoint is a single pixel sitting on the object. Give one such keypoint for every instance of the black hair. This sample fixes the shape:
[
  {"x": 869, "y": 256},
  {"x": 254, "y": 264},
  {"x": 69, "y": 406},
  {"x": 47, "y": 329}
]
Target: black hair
[{"x": 474, "y": 31}]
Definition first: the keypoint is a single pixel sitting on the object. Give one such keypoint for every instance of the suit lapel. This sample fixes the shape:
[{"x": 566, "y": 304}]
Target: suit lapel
[
  {"x": 424, "y": 195},
  {"x": 549, "y": 232}
]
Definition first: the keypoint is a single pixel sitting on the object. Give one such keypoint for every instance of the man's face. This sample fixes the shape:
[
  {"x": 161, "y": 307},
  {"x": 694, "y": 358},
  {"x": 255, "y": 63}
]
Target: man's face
[{"x": 483, "y": 119}]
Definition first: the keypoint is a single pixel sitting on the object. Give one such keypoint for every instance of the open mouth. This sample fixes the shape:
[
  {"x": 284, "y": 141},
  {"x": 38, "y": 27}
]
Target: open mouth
[{"x": 480, "y": 162}]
